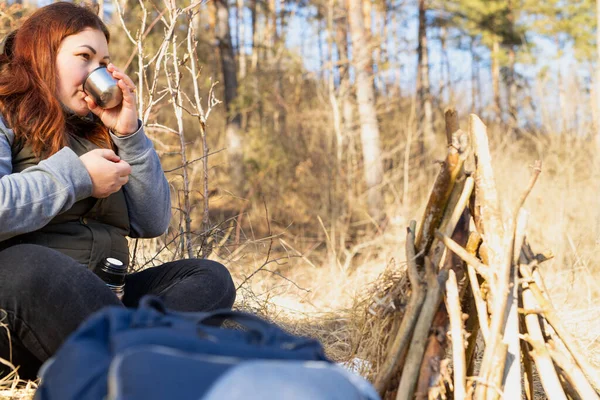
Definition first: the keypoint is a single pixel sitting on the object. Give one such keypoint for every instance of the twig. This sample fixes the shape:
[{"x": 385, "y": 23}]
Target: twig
[
  {"x": 537, "y": 169},
  {"x": 193, "y": 161},
  {"x": 286, "y": 279},
  {"x": 267, "y": 261},
  {"x": 409, "y": 319},
  {"x": 456, "y": 325}
]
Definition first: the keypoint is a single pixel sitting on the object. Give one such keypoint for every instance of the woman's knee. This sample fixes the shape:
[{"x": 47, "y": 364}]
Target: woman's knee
[
  {"x": 222, "y": 278},
  {"x": 214, "y": 279}
]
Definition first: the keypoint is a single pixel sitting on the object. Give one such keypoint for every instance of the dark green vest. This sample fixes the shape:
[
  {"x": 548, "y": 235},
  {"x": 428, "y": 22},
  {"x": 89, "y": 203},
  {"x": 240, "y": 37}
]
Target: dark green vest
[{"x": 91, "y": 230}]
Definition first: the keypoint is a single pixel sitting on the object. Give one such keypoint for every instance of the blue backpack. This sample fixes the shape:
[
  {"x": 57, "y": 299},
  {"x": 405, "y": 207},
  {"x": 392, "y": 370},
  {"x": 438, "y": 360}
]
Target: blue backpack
[{"x": 152, "y": 353}]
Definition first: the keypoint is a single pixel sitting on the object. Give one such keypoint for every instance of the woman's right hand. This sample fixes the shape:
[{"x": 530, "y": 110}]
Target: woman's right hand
[{"x": 107, "y": 171}]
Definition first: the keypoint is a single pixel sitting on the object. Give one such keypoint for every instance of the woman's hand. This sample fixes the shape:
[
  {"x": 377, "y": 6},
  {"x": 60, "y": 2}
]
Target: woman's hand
[
  {"x": 107, "y": 171},
  {"x": 122, "y": 119}
]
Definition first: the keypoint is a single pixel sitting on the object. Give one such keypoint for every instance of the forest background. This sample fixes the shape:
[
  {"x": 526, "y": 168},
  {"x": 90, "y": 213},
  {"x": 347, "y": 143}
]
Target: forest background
[{"x": 300, "y": 137}]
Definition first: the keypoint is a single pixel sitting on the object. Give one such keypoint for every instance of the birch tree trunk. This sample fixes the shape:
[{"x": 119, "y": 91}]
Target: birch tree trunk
[
  {"x": 426, "y": 138},
  {"x": 232, "y": 127},
  {"x": 369, "y": 128}
]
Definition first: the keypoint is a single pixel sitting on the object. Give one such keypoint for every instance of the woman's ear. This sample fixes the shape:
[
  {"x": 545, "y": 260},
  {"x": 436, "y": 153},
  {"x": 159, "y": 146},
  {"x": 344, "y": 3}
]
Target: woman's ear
[{"x": 6, "y": 45}]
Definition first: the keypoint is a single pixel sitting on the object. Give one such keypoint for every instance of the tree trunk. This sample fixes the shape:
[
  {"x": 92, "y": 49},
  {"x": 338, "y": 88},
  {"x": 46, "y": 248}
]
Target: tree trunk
[
  {"x": 100, "y": 8},
  {"x": 366, "y": 9},
  {"x": 496, "y": 80},
  {"x": 278, "y": 20},
  {"x": 255, "y": 38},
  {"x": 270, "y": 29},
  {"x": 512, "y": 82},
  {"x": 512, "y": 88},
  {"x": 241, "y": 39},
  {"x": 474, "y": 74},
  {"x": 373, "y": 169},
  {"x": 446, "y": 89},
  {"x": 232, "y": 127},
  {"x": 426, "y": 138},
  {"x": 322, "y": 56},
  {"x": 345, "y": 88},
  {"x": 381, "y": 28}
]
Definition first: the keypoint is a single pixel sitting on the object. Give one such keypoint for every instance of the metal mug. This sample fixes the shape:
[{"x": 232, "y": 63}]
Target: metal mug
[{"x": 102, "y": 87}]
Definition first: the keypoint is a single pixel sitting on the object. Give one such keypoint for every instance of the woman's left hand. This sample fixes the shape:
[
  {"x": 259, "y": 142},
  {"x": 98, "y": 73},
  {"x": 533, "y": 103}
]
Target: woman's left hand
[{"x": 122, "y": 119}]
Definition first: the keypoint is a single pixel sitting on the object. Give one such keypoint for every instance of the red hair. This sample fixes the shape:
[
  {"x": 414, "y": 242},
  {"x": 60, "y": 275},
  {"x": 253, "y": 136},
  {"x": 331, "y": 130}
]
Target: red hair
[{"x": 29, "y": 79}]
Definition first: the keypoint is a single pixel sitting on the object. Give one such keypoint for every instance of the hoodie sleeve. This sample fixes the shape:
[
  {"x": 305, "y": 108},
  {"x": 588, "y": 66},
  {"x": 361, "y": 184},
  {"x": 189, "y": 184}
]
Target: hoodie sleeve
[
  {"x": 30, "y": 199},
  {"x": 147, "y": 192}
]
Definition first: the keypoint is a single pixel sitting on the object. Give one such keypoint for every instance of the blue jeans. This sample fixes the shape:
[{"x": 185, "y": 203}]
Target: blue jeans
[{"x": 45, "y": 295}]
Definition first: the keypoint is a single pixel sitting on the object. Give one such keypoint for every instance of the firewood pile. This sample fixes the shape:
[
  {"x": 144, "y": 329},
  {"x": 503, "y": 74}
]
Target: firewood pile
[{"x": 471, "y": 274}]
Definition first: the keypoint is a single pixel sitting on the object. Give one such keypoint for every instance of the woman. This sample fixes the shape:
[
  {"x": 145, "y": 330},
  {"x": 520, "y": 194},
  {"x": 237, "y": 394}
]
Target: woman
[{"x": 75, "y": 180}]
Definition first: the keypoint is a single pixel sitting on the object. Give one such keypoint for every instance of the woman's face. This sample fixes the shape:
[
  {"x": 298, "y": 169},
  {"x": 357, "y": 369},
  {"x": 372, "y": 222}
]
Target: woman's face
[{"x": 78, "y": 55}]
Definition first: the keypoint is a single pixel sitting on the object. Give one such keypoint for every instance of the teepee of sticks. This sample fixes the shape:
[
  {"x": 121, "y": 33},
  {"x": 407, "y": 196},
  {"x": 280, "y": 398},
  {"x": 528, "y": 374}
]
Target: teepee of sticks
[{"x": 468, "y": 257}]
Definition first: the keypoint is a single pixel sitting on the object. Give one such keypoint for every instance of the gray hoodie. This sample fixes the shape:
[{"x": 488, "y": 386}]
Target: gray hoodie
[{"x": 30, "y": 199}]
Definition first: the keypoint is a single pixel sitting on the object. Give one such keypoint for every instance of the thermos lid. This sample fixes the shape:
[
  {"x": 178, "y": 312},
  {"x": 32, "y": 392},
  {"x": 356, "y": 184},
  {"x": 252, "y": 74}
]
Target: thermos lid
[{"x": 112, "y": 271}]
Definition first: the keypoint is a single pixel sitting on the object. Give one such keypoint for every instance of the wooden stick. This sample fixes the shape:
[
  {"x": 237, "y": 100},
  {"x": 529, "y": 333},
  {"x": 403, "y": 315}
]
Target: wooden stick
[
  {"x": 573, "y": 373},
  {"x": 483, "y": 269},
  {"x": 409, "y": 319},
  {"x": 435, "y": 285},
  {"x": 448, "y": 226},
  {"x": 554, "y": 321},
  {"x": 456, "y": 325},
  {"x": 525, "y": 353},
  {"x": 437, "y": 342},
  {"x": 479, "y": 304},
  {"x": 440, "y": 193},
  {"x": 492, "y": 365},
  {"x": 540, "y": 354},
  {"x": 472, "y": 325},
  {"x": 451, "y": 117},
  {"x": 486, "y": 211},
  {"x": 470, "y": 259},
  {"x": 511, "y": 376}
]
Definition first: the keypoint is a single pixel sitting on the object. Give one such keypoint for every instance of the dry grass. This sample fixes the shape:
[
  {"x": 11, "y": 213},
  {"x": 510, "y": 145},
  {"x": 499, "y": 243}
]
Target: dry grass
[{"x": 311, "y": 294}]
